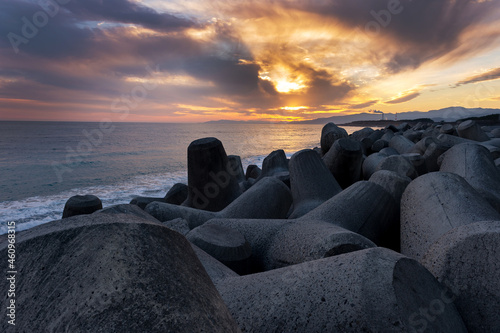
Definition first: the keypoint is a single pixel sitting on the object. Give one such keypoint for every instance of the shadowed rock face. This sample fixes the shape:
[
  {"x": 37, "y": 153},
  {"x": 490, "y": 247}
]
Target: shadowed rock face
[
  {"x": 81, "y": 205},
  {"x": 211, "y": 181},
  {"x": 269, "y": 198},
  {"x": 344, "y": 160},
  {"x": 111, "y": 273},
  {"x": 475, "y": 164},
  {"x": 434, "y": 204},
  {"x": 373, "y": 290},
  {"x": 466, "y": 261},
  {"x": 311, "y": 182},
  {"x": 329, "y": 134}
]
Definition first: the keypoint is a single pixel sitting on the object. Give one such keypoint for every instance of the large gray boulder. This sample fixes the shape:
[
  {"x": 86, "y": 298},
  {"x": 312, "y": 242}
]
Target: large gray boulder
[
  {"x": 466, "y": 260},
  {"x": 434, "y": 204},
  {"x": 474, "y": 163},
  {"x": 401, "y": 144},
  {"x": 211, "y": 180},
  {"x": 311, "y": 182},
  {"x": 111, "y": 273},
  {"x": 373, "y": 290}
]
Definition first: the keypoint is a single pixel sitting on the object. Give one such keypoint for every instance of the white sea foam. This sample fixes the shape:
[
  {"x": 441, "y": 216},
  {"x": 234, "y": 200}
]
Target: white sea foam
[{"x": 33, "y": 211}]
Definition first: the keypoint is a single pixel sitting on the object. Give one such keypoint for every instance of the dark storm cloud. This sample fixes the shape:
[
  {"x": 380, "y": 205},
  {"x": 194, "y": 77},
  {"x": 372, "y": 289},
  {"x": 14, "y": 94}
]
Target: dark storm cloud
[
  {"x": 493, "y": 74},
  {"x": 422, "y": 30}
]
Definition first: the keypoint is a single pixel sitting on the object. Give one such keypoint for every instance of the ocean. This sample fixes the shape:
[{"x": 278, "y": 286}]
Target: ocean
[{"x": 45, "y": 163}]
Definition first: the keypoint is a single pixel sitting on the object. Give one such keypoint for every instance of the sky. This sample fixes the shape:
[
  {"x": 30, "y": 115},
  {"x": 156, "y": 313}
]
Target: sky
[{"x": 277, "y": 60}]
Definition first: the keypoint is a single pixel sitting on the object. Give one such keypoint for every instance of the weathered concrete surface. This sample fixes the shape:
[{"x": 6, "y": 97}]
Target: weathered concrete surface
[
  {"x": 126, "y": 209},
  {"x": 111, "y": 273},
  {"x": 469, "y": 129},
  {"x": 474, "y": 163},
  {"x": 398, "y": 164},
  {"x": 269, "y": 198},
  {"x": 81, "y": 205},
  {"x": 329, "y": 134},
  {"x": 434, "y": 204},
  {"x": 344, "y": 160},
  {"x": 311, "y": 182},
  {"x": 224, "y": 244},
  {"x": 217, "y": 271},
  {"x": 466, "y": 260},
  {"x": 374, "y": 290},
  {"x": 280, "y": 243},
  {"x": 365, "y": 208},
  {"x": 401, "y": 144}
]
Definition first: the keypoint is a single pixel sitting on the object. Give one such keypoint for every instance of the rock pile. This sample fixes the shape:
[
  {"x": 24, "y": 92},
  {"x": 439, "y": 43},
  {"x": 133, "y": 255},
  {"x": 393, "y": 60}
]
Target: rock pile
[{"x": 392, "y": 230}]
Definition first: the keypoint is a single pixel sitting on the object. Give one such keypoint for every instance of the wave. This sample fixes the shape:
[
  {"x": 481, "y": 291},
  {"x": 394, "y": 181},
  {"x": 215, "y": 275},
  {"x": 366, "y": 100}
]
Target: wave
[{"x": 37, "y": 210}]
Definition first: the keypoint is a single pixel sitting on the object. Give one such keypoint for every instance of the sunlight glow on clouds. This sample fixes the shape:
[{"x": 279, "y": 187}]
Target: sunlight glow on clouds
[{"x": 288, "y": 60}]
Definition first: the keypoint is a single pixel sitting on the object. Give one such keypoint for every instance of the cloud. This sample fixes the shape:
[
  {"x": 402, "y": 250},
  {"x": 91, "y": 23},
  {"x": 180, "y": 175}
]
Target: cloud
[
  {"x": 403, "y": 99},
  {"x": 490, "y": 75},
  {"x": 364, "y": 105}
]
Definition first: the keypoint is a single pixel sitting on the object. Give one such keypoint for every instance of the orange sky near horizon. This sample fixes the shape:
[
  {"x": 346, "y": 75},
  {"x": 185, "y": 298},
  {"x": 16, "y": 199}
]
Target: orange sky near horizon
[{"x": 195, "y": 61}]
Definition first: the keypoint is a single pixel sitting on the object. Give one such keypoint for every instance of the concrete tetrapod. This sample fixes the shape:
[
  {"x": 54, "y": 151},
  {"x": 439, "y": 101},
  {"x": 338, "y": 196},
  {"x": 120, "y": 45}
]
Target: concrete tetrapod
[
  {"x": 373, "y": 290},
  {"x": 111, "y": 273},
  {"x": 466, "y": 261},
  {"x": 329, "y": 134},
  {"x": 399, "y": 164},
  {"x": 217, "y": 271},
  {"x": 280, "y": 243},
  {"x": 401, "y": 144},
  {"x": 344, "y": 160},
  {"x": 269, "y": 198},
  {"x": 224, "y": 244},
  {"x": 211, "y": 180},
  {"x": 469, "y": 129},
  {"x": 474, "y": 163},
  {"x": 364, "y": 208},
  {"x": 310, "y": 181},
  {"x": 81, "y": 205},
  {"x": 434, "y": 204},
  {"x": 276, "y": 165},
  {"x": 176, "y": 195}
]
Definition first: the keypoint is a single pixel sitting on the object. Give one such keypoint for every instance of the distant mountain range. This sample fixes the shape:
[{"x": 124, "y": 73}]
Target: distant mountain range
[{"x": 449, "y": 114}]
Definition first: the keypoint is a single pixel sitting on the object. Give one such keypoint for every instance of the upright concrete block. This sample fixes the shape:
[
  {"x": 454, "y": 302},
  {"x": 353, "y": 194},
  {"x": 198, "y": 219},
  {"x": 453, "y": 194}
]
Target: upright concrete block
[
  {"x": 212, "y": 182},
  {"x": 401, "y": 144},
  {"x": 311, "y": 182},
  {"x": 344, "y": 160},
  {"x": 329, "y": 134}
]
